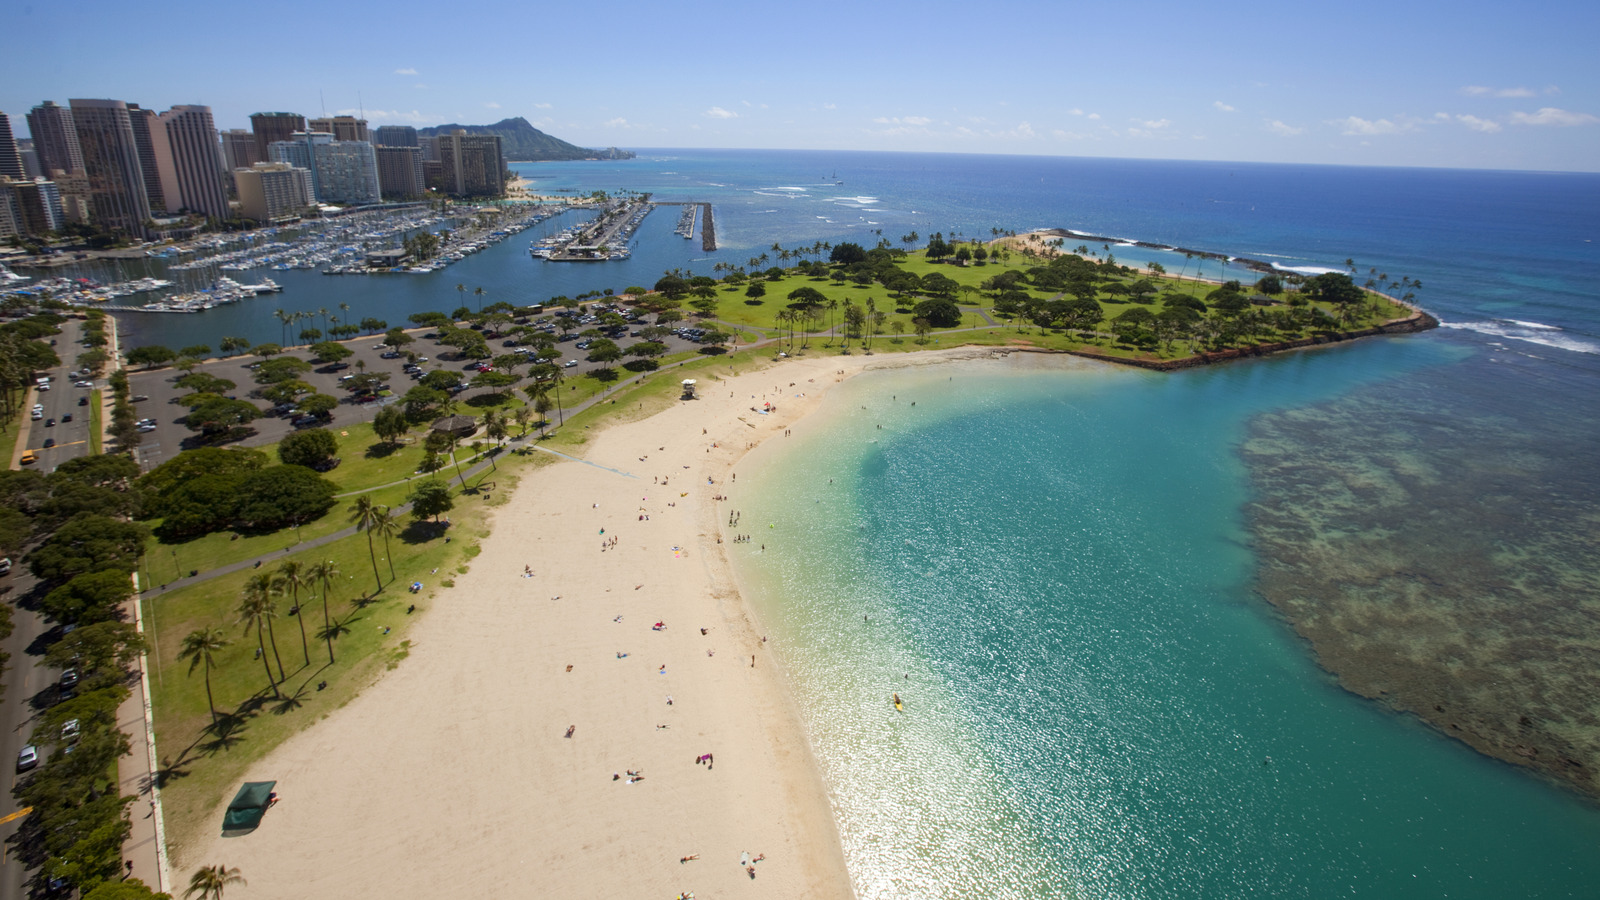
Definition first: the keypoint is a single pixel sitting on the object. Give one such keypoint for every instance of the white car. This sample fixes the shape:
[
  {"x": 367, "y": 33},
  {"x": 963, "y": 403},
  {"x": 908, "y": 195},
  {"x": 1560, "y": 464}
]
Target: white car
[
  {"x": 27, "y": 758},
  {"x": 85, "y": 384},
  {"x": 69, "y": 731}
]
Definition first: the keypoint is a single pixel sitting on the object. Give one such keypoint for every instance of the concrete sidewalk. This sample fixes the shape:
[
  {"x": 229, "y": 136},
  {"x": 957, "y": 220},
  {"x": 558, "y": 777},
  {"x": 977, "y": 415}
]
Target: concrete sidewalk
[{"x": 145, "y": 846}]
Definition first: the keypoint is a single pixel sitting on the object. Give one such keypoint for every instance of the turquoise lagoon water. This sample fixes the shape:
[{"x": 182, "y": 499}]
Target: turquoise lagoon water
[{"x": 1052, "y": 563}]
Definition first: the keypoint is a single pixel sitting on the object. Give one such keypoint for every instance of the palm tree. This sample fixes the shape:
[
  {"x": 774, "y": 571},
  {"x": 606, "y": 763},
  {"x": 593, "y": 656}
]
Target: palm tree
[
  {"x": 323, "y": 312},
  {"x": 364, "y": 515},
  {"x": 478, "y": 292},
  {"x": 200, "y": 646},
  {"x": 387, "y": 524},
  {"x": 292, "y": 576},
  {"x": 345, "y": 308},
  {"x": 271, "y": 587},
  {"x": 208, "y": 882},
  {"x": 283, "y": 322},
  {"x": 461, "y": 290},
  {"x": 495, "y": 427},
  {"x": 255, "y": 607},
  {"x": 325, "y": 572}
]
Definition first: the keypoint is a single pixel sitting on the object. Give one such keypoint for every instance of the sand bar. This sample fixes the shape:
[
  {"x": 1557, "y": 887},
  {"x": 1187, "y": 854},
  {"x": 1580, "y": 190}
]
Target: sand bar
[{"x": 455, "y": 769}]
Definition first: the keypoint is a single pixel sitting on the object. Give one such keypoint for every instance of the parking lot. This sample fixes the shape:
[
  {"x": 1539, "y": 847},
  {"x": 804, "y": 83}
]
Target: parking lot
[{"x": 160, "y": 396}]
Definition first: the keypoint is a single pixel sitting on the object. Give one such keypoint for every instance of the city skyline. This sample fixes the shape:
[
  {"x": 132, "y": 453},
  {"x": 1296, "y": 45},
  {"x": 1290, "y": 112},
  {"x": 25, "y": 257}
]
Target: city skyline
[{"x": 1413, "y": 85}]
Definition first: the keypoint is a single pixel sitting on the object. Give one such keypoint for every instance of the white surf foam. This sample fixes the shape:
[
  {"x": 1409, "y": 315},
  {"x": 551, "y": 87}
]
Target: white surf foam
[
  {"x": 1531, "y": 332},
  {"x": 1306, "y": 270}
]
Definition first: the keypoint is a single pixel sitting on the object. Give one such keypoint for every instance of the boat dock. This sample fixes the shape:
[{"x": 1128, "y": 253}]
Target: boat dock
[{"x": 692, "y": 211}]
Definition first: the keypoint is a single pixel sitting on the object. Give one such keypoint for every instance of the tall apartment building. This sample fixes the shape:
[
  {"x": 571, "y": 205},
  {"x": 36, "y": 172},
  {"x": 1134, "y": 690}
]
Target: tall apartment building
[
  {"x": 55, "y": 138},
  {"x": 344, "y": 172},
  {"x": 343, "y": 128},
  {"x": 111, "y": 162},
  {"x": 193, "y": 162},
  {"x": 145, "y": 140},
  {"x": 10, "y": 159},
  {"x": 400, "y": 173},
  {"x": 30, "y": 159},
  {"x": 430, "y": 148},
  {"x": 34, "y": 205},
  {"x": 397, "y": 136},
  {"x": 239, "y": 149},
  {"x": 270, "y": 127},
  {"x": 273, "y": 192},
  {"x": 473, "y": 166},
  {"x": 77, "y": 200}
]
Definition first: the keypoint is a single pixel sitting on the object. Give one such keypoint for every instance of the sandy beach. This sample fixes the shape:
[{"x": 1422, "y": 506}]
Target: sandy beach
[{"x": 457, "y": 769}]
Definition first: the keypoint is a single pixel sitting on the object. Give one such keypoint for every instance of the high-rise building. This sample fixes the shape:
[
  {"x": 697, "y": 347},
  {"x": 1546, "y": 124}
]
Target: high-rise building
[
  {"x": 144, "y": 123},
  {"x": 400, "y": 173},
  {"x": 344, "y": 172},
  {"x": 430, "y": 148},
  {"x": 274, "y": 126},
  {"x": 77, "y": 200},
  {"x": 195, "y": 161},
  {"x": 343, "y": 128},
  {"x": 239, "y": 149},
  {"x": 472, "y": 164},
  {"x": 30, "y": 159},
  {"x": 397, "y": 136},
  {"x": 55, "y": 138},
  {"x": 10, "y": 159},
  {"x": 111, "y": 161},
  {"x": 300, "y": 151},
  {"x": 273, "y": 192},
  {"x": 35, "y": 205}
]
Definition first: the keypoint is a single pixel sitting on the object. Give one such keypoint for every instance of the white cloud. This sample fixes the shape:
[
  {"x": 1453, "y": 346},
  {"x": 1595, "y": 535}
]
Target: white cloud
[
  {"x": 830, "y": 106},
  {"x": 1358, "y": 125},
  {"x": 1279, "y": 128},
  {"x": 1153, "y": 124},
  {"x": 1477, "y": 90},
  {"x": 717, "y": 112},
  {"x": 1477, "y": 124},
  {"x": 618, "y": 122},
  {"x": 1094, "y": 116},
  {"x": 492, "y": 105},
  {"x": 1074, "y": 112},
  {"x": 405, "y": 71},
  {"x": 907, "y": 121},
  {"x": 1222, "y": 106},
  {"x": 542, "y": 106},
  {"x": 1552, "y": 116},
  {"x": 393, "y": 115}
]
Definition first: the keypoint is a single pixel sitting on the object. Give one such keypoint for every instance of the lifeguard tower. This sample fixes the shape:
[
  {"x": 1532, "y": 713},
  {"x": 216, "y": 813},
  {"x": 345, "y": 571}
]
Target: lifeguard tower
[{"x": 688, "y": 389}]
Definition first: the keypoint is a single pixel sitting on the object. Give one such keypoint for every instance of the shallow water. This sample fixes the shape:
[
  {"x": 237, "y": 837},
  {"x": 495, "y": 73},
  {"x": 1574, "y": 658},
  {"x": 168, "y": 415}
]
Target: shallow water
[{"x": 1056, "y": 577}]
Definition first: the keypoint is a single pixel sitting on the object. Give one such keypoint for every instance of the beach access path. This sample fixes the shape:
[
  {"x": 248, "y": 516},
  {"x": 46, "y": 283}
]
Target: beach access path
[{"x": 495, "y": 759}]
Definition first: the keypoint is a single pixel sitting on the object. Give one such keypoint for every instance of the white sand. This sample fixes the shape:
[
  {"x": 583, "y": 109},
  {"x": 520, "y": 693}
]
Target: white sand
[{"x": 452, "y": 776}]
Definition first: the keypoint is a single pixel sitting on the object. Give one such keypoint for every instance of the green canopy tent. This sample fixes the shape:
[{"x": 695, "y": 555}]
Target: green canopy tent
[{"x": 247, "y": 808}]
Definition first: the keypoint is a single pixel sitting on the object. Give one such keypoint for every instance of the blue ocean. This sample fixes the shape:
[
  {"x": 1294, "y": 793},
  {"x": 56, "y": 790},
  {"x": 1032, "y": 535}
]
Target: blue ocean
[{"x": 1167, "y": 635}]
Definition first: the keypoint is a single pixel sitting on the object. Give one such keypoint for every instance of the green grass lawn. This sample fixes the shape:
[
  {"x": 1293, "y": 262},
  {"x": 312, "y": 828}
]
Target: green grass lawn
[{"x": 8, "y": 435}]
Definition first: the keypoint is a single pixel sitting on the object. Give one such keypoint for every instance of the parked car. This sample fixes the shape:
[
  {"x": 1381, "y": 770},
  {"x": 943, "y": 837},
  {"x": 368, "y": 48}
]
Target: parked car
[
  {"x": 85, "y": 384},
  {"x": 49, "y": 423},
  {"x": 570, "y": 363},
  {"x": 389, "y": 355},
  {"x": 27, "y": 758},
  {"x": 83, "y": 401},
  {"x": 69, "y": 679},
  {"x": 69, "y": 731},
  {"x": 5, "y": 566},
  {"x": 66, "y": 418},
  {"x": 140, "y": 398}
]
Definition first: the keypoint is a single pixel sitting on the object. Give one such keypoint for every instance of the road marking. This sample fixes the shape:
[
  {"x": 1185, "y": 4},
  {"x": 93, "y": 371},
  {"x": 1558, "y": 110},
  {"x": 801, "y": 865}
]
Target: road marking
[{"x": 16, "y": 815}]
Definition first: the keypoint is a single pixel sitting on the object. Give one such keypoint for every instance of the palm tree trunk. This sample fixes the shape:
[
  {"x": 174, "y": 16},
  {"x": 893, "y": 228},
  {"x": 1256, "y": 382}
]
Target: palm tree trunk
[
  {"x": 327, "y": 627},
  {"x": 389, "y": 550},
  {"x": 375, "y": 576},
  {"x": 272, "y": 638},
  {"x": 211, "y": 704},
  {"x": 264, "y": 664},
  {"x": 300, "y": 616}
]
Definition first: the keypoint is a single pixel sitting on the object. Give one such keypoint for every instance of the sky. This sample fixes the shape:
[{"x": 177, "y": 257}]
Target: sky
[{"x": 1465, "y": 84}]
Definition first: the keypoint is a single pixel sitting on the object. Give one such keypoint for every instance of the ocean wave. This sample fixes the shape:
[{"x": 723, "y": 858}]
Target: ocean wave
[
  {"x": 1531, "y": 332},
  {"x": 862, "y": 200},
  {"x": 793, "y": 190},
  {"x": 1306, "y": 270}
]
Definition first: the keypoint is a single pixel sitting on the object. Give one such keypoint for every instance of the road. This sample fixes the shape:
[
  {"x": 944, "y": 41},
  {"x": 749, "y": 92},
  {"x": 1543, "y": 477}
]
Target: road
[{"x": 29, "y": 688}]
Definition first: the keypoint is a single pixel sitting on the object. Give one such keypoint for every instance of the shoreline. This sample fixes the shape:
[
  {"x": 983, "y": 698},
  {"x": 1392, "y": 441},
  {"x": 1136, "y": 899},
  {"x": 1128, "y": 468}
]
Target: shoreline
[{"x": 439, "y": 749}]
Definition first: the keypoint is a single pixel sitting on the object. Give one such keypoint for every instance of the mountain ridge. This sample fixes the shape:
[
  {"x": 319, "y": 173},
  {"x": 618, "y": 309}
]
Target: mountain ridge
[{"x": 521, "y": 142}]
